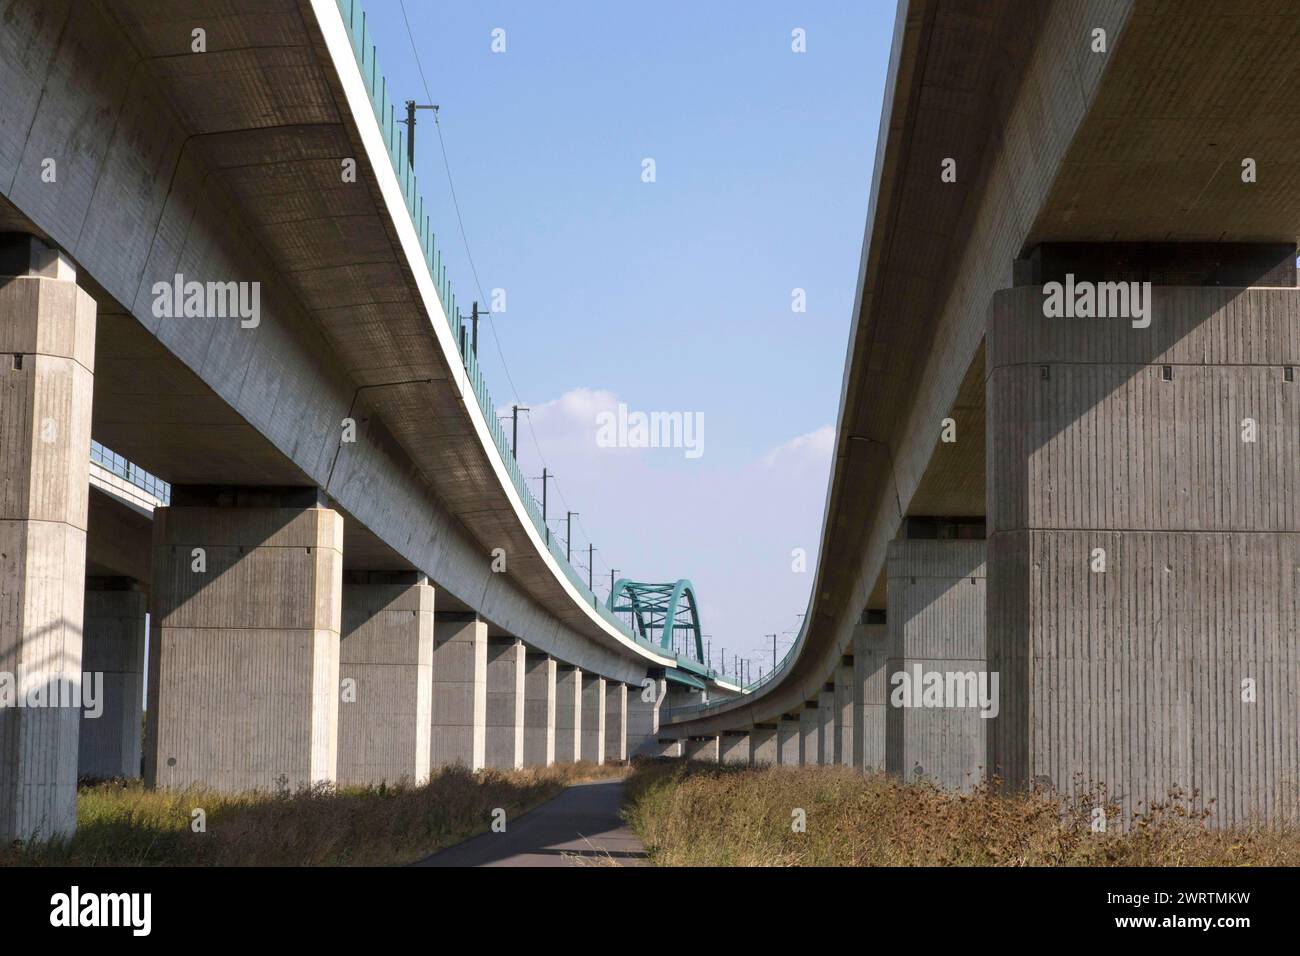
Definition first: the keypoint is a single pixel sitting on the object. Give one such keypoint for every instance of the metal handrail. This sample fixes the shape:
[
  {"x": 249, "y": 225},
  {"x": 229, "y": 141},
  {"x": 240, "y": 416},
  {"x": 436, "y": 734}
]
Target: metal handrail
[
  {"x": 747, "y": 688},
  {"x": 129, "y": 471}
]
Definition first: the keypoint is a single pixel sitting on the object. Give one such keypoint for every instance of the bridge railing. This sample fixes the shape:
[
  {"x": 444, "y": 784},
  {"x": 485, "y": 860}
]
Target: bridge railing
[
  {"x": 687, "y": 710},
  {"x": 129, "y": 471},
  {"x": 363, "y": 49}
]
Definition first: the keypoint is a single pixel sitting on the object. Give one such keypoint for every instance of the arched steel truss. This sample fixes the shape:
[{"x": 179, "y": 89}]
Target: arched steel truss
[{"x": 661, "y": 611}]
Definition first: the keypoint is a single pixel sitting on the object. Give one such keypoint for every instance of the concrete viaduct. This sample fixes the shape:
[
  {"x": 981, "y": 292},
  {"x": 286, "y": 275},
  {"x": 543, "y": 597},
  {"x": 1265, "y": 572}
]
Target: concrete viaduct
[
  {"x": 1103, "y": 512},
  {"x": 218, "y": 267}
]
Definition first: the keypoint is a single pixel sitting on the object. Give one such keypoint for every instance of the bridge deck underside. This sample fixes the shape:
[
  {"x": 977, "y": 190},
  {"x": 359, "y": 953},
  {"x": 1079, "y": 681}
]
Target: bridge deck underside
[
  {"x": 227, "y": 165},
  {"x": 1052, "y": 142}
]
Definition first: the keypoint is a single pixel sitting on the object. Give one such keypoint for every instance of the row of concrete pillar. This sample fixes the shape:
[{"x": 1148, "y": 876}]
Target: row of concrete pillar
[
  {"x": 242, "y": 698},
  {"x": 268, "y": 665},
  {"x": 347, "y": 676},
  {"x": 1143, "y": 556},
  {"x": 937, "y": 595}
]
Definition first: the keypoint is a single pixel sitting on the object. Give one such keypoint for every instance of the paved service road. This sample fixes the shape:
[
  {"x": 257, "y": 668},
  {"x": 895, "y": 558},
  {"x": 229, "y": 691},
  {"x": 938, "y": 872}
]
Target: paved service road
[{"x": 580, "y": 826}]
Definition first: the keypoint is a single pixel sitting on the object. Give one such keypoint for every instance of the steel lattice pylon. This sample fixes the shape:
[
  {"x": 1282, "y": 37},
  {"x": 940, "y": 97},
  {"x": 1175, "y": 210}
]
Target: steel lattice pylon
[{"x": 660, "y": 610}]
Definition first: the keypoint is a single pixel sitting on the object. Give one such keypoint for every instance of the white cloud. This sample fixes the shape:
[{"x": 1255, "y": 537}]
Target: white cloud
[
  {"x": 810, "y": 449},
  {"x": 729, "y": 527}
]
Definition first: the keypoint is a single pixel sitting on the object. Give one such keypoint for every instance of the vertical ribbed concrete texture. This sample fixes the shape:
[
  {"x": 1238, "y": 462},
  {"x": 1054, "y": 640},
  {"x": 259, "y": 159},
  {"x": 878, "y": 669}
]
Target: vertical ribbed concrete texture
[
  {"x": 704, "y": 749},
  {"x": 827, "y": 730},
  {"x": 615, "y": 722},
  {"x": 539, "y": 710},
  {"x": 789, "y": 741},
  {"x": 871, "y": 695},
  {"x": 733, "y": 747},
  {"x": 568, "y": 714},
  {"x": 244, "y": 654},
  {"x": 762, "y": 746},
  {"x": 809, "y": 727},
  {"x": 936, "y": 593},
  {"x": 459, "y": 727},
  {"x": 844, "y": 697},
  {"x": 1179, "y": 663},
  {"x": 644, "y": 703},
  {"x": 386, "y": 667},
  {"x": 113, "y": 650},
  {"x": 505, "y": 703},
  {"x": 47, "y": 361},
  {"x": 593, "y": 718}
]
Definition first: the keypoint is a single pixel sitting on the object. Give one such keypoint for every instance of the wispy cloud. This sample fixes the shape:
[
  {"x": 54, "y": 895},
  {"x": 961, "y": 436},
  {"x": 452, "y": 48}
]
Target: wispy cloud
[
  {"x": 810, "y": 449},
  {"x": 731, "y": 528}
]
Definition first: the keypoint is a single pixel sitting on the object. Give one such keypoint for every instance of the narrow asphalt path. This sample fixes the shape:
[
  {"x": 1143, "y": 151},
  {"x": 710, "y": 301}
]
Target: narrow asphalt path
[{"x": 579, "y": 827}]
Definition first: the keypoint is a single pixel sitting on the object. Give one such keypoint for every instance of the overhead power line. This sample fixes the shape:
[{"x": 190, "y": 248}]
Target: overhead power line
[{"x": 469, "y": 256}]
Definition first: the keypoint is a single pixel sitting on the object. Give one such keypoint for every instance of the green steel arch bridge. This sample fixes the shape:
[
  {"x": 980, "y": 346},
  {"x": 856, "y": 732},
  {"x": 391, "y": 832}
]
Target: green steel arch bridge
[{"x": 660, "y": 614}]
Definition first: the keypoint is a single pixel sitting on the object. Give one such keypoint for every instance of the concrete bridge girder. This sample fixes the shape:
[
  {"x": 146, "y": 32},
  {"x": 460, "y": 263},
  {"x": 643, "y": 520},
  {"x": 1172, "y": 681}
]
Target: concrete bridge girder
[
  {"x": 157, "y": 178},
  {"x": 1048, "y": 172}
]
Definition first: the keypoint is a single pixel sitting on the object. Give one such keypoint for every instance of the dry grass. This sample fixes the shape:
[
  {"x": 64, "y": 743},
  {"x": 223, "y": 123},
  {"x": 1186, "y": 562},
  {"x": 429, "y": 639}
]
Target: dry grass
[
  {"x": 123, "y": 824},
  {"x": 700, "y": 815}
]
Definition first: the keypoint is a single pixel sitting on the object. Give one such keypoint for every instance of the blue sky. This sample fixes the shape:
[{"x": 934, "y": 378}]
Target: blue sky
[{"x": 667, "y": 296}]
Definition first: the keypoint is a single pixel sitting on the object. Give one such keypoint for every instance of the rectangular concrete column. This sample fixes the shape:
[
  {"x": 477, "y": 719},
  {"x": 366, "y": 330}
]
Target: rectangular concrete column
[
  {"x": 459, "y": 727},
  {"x": 762, "y": 745},
  {"x": 789, "y": 741},
  {"x": 47, "y": 362},
  {"x": 670, "y": 748},
  {"x": 870, "y": 691},
  {"x": 936, "y": 665},
  {"x": 809, "y": 725},
  {"x": 593, "y": 718},
  {"x": 568, "y": 714},
  {"x": 246, "y": 608},
  {"x": 386, "y": 670},
  {"x": 505, "y": 703},
  {"x": 113, "y": 652},
  {"x": 1144, "y": 511},
  {"x": 844, "y": 713},
  {"x": 539, "y": 710},
  {"x": 643, "y": 709},
  {"x": 826, "y": 728},
  {"x": 704, "y": 749},
  {"x": 615, "y": 722},
  {"x": 733, "y": 747}
]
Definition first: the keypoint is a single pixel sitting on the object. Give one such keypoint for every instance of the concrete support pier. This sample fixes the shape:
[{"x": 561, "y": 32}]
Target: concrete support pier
[
  {"x": 568, "y": 714},
  {"x": 826, "y": 725},
  {"x": 703, "y": 749},
  {"x": 809, "y": 727},
  {"x": 870, "y": 691},
  {"x": 246, "y": 609},
  {"x": 593, "y": 718},
  {"x": 671, "y": 748},
  {"x": 733, "y": 747},
  {"x": 1144, "y": 512},
  {"x": 615, "y": 722},
  {"x": 111, "y": 745},
  {"x": 459, "y": 728},
  {"x": 789, "y": 740},
  {"x": 643, "y": 714},
  {"x": 386, "y": 671},
  {"x": 762, "y": 745},
  {"x": 539, "y": 710},
  {"x": 505, "y": 703},
  {"x": 844, "y": 697},
  {"x": 937, "y": 663},
  {"x": 47, "y": 363}
]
